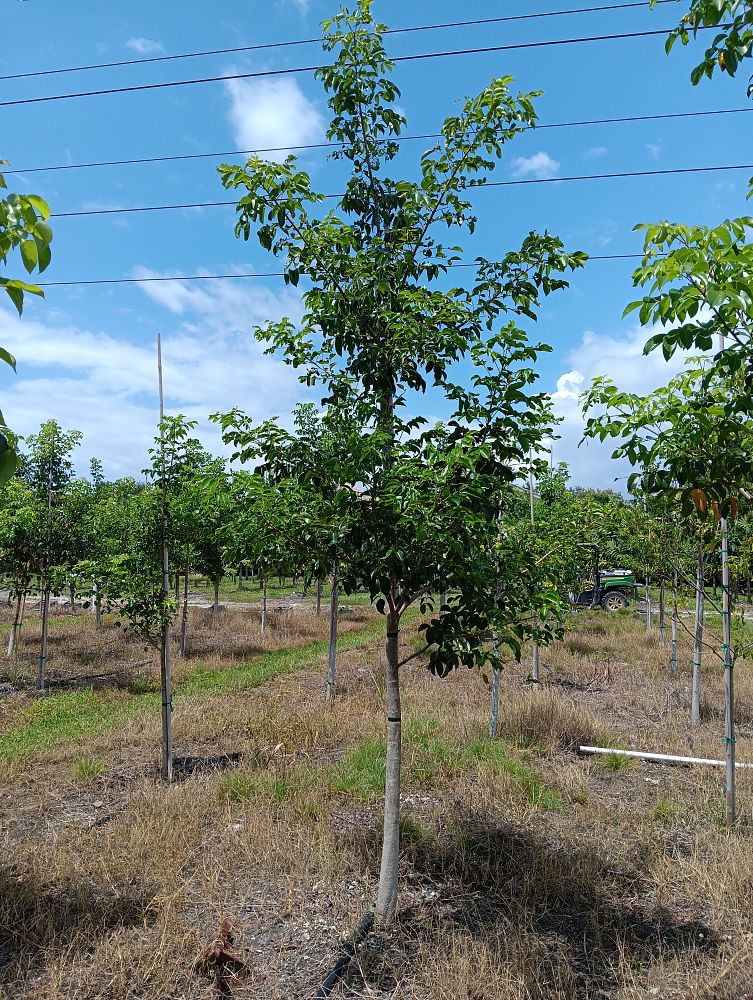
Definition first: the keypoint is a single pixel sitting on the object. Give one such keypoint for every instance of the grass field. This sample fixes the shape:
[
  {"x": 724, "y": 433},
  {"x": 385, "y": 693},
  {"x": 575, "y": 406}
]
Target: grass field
[{"x": 527, "y": 872}]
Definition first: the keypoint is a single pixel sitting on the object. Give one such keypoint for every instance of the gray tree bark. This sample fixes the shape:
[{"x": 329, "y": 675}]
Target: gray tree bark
[{"x": 386, "y": 904}]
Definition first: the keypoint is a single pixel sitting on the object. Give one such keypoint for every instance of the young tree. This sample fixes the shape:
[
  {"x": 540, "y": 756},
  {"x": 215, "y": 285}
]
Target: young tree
[
  {"x": 380, "y": 323},
  {"x": 686, "y": 444}
]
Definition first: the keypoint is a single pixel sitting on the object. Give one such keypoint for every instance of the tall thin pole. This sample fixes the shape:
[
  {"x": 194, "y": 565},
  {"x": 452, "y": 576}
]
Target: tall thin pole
[
  {"x": 535, "y": 656},
  {"x": 167, "y": 697},
  {"x": 45, "y": 585},
  {"x": 700, "y": 602},
  {"x": 729, "y": 664},
  {"x": 494, "y": 709},
  {"x": 673, "y": 653},
  {"x": 333, "y": 608}
]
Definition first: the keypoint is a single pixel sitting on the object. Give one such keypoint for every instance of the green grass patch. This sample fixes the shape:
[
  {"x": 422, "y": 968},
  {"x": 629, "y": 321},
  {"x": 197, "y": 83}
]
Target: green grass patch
[
  {"x": 664, "y": 811},
  {"x": 362, "y": 772},
  {"x": 88, "y": 768},
  {"x": 493, "y": 757},
  {"x": 240, "y": 787},
  {"x": 63, "y": 718}
]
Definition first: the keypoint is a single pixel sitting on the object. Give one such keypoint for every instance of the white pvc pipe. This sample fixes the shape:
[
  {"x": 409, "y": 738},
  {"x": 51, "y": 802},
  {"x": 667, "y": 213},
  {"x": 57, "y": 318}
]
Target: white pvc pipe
[{"x": 661, "y": 758}]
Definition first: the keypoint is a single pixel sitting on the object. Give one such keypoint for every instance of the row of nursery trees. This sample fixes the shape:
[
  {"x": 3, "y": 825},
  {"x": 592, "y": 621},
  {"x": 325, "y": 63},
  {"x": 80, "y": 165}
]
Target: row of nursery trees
[{"x": 402, "y": 509}]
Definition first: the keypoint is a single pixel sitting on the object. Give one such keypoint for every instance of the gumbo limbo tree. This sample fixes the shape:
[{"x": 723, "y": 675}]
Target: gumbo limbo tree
[{"x": 382, "y": 324}]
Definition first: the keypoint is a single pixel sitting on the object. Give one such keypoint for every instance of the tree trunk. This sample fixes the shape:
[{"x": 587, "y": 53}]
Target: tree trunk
[
  {"x": 263, "y": 604},
  {"x": 700, "y": 602},
  {"x": 184, "y": 615},
  {"x": 662, "y": 617},
  {"x": 386, "y": 904},
  {"x": 333, "y": 605},
  {"x": 216, "y": 605},
  {"x": 494, "y": 709},
  {"x": 649, "y": 606},
  {"x": 15, "y": 627},
  {"x": 41, "y": 672},
  {"x": 177, "y": 587},
  {"x": 97, "y": 606},
  {"x": 72, "y": 593},
  {"x": 729, "y": 688},
  {"x": 318, "y": 598}
]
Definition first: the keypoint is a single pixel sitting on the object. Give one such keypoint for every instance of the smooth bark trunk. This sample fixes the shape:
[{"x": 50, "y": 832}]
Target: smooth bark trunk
[
  {"x": 216, "y": 605},
  {"x": 263, "y": 605},
  {"x": 729, "y": 682},
  {"x": 386, "y": 904},
  {"x": 700, "y": 602},
  {"x": 649, "y": 605},
  {"x": 72, "y": 596},
  {"x": 333, "y": 607},
  {"x": 97, "y": 606}
]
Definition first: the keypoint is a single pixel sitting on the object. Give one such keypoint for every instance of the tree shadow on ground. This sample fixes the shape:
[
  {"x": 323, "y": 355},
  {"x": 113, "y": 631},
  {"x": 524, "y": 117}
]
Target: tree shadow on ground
[
  {"x": 39, "y": 918},
  {"x": 513, "y": 889}
]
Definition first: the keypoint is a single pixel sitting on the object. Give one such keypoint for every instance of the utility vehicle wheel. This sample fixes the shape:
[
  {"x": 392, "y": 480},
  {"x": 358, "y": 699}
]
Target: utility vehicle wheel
[{"x": 615, "y": 601}]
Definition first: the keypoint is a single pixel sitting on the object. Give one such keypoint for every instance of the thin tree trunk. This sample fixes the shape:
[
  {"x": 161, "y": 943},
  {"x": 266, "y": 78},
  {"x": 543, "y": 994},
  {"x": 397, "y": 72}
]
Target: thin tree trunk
[
  {"x": 662, "y": 616},
  {"x": 386, "y": 904},
  {"x": 700, "y": 602},
  {"x": 318, "y": 598},
  {"x": 442, "y": 602},
  {"x": 216, "y": 605},
  {"x": 97, "y": 606},
  {"x": 494, "y": 709},
  {"x": 333, "y": 606},
  {"x": 673, "y": 653},
  {"x": 263, "y": 604},
  {"x": 649, "y": 606},
  {"x": 72, "y": 593},
  {"x": 177, "y": 587},
  {"x": 184, "y": 615},
  {"x": 729, "y": 688},
  {"x": 41, "y": 672},
  {"x": 13, "y": 637}
]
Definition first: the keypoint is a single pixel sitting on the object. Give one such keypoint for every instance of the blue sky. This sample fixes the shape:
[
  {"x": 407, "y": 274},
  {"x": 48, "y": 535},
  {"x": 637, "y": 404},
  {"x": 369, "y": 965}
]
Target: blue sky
[{"x": 86, "y": 354}]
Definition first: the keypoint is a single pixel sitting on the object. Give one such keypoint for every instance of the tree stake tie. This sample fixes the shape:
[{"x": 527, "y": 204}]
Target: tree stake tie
[
  {"x": 168, "y": 703},
  {"x": 399, "y": 718},
  {"x": 392, "y": 635},
  {"x": 729, "y": 739}
]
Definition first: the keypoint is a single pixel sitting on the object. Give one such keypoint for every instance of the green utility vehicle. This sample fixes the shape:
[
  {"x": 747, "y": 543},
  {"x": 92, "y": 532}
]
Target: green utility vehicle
[{"x": 611, "y": 589}]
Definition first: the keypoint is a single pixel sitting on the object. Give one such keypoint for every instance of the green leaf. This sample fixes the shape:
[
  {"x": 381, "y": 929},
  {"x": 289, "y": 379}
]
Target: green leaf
[{"x": 9, "y": 360}]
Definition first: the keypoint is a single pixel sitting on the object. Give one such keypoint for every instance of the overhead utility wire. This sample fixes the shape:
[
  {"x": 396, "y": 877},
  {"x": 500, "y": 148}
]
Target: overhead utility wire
[
  {"x": 334, "y": 145},
  {"x": 312, "y": 41},
  {"x": 252, "y": 274},
  {"x": 513, "y": 183},
  {"x": 548, "y": 43}
]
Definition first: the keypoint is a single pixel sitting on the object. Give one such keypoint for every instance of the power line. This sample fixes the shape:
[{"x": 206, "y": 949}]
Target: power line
[
  {"x": 334, "y": 145},
  {"x": 311, "y": 41},
  {"x": 511, "y": 183},
  {"x": 310, "y": 69},
  {"x": 250, "y": 274}
]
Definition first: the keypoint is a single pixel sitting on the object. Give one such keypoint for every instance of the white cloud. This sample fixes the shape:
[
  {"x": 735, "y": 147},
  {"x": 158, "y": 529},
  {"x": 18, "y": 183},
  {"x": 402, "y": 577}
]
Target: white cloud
[
  {"x": 106, "y": 387},
  {"x": 302, "y": 5},
  {"x": 272, "y": 114},
  {"x": 621, "y": 358},
  {"x": 653, "y": 149},
  {"x": 595, "y": 153},
  {"x": 540, "y": 165},
  {"x": 144, "y": 46}
]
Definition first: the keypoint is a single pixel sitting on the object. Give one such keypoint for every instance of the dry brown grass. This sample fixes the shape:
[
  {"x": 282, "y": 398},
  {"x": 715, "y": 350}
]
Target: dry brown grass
[{"x": 113, "y": 885}]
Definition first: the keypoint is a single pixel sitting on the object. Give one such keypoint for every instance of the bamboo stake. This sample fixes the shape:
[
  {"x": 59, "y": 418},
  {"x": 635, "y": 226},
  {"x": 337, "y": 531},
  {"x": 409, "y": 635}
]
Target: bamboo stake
[
  {"x": 673, "y": 654},
  {"x": 167, "y": 697},
  {"x": 729, "y": 688},
  {"x": 535, "y": 655},
  {"x": 700, "y": 601},
  {"x": 333, "y": 606}
]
